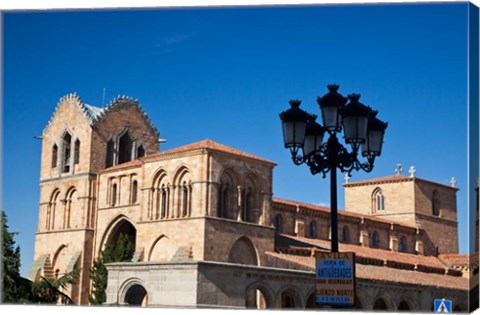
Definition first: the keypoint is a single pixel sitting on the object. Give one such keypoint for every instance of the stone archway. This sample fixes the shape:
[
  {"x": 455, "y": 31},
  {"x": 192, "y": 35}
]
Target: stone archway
[
  {"x": 289, "y": 298},
  {"x": 258, "y": 297},
  {"x": 136, "y": 295},
  {"x": 404, "y": 306},
  {"x": 380, "y": 304},
  {"x": 120, "y": 226}
]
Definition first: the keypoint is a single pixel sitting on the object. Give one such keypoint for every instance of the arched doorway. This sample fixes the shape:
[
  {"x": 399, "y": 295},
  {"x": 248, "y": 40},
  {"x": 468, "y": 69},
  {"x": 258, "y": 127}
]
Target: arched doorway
[
  {"x": 380, "y": 304},
  {"x": 126, "y": 228},
  {"x": 403, "y": 306},
  {"x": 257, "y": 299},
  {"x": 120, "y": 242},
  {"x": 289, "y": 299},
  {"x": 136, "y": 295}
]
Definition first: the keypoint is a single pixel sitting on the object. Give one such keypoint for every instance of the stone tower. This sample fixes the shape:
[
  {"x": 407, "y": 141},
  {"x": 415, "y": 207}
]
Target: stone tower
[
  {"x": 413, "y": 201},
  {"x": 79, "y": 141}
]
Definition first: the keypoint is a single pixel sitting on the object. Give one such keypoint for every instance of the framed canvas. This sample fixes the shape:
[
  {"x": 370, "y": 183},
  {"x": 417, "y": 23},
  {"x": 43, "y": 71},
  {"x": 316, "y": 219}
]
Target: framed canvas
[{"x": 265, "y": 156}]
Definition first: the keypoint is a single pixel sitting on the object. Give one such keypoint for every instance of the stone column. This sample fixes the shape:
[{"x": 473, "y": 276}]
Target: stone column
[
  {"x": 300, "y": 228},
  {"x": 393, "y": 243},
  {"x": 265, "y": 208},
  {"x": 364, "y": 238},
  {"x": 172, "y": 202},
  {"x": 419, "y": 247},
  {"x": 214, "y": 203},
  {"x": 240, "y": 202}
]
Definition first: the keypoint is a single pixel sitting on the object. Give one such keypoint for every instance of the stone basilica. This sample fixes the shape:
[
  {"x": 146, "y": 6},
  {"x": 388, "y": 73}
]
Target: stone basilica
[{"x": 208, "y": 233}]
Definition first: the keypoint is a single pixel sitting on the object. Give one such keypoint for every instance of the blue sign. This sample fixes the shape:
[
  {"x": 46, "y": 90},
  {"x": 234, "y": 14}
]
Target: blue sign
[
  {"x": 335, "y": 278},
  {"x": 334, "y": 269},
  {"x": 442, "y": 306}
]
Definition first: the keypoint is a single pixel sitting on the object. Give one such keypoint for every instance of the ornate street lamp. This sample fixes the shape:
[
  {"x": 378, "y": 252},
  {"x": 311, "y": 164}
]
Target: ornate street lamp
[{"x": 303, "y": 136}]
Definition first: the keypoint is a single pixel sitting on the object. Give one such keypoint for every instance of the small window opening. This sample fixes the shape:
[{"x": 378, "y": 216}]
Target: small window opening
[
  {"x": 67, "y": 141},
  {"x": 54, "y": 155},
  {"x": 76, "y": 157}
]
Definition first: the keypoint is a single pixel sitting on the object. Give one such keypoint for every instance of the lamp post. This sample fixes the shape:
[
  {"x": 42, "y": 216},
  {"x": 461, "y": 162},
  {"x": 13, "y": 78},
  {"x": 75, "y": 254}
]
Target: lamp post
[{"x": 362, "y": 130}]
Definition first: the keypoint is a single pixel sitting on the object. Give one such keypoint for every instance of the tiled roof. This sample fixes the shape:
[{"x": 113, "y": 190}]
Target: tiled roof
[
  {"x": 209, "y": 145},
  {"x": 204, "y": 144},
  {"x": 340, "y": 212},
  {"x": 375, "y": 273},
  {"x": 380, "y": 273},
  {"x": 392, "y": 179},
  {"x": 459, "y": 259},
  {"x": 128, "y": 164},
  {"x": 95, "y": 114},
  {"x": 384, "y": 179},
  {"x": 93, "y": 111},
  {"x": 363, "y": 251}
]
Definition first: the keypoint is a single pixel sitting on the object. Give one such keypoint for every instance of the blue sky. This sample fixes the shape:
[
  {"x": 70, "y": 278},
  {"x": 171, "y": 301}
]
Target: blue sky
[{"x": 226, "y": 73}]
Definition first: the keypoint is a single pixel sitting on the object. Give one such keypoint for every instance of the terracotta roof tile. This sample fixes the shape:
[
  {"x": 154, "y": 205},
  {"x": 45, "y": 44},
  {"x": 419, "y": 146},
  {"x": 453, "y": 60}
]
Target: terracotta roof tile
[
  {"x": 209, "y": 145},
  {"x": 128, "y": 164},
  {"x": 392, "y": 179},
  {"x": 366, "y": 252},
  {"x": 459, "y": 259},
  {"x": 204, "y": 144},
  {"x": 372, "y": 272},
  {"x": 340, "y": 212},
  {"x": 384, "y": 179}
]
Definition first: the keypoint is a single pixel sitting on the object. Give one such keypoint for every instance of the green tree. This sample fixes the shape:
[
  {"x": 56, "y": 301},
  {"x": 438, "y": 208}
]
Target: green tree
[
  {"x": 15, "y": 288},
  {"x": 116, "y": 250},
  {"x": 49, "y": 291}
]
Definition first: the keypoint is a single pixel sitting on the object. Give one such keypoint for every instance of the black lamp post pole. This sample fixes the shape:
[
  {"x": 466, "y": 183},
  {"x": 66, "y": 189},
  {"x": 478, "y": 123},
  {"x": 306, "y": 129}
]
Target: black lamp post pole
[
  {"x": 304, "y": 138},
  {"x": 333, "y": 209},
  {"x": 332, "y": 145}
]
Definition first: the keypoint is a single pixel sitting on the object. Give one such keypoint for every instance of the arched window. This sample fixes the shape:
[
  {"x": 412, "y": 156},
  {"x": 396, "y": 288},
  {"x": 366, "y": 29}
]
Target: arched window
[
  {"x": 247, "y": 209},
  {"x": 124, "y": 148},
  {"x": 345, "y": 235},
  {"x": 163, "y": 202},
  {"x": 402, "y": 245},
  {"x": 140, "y": 152},
  {"x": 312, "y": 229},
  {"x": 230, "y": 196},
  {"x": 54, "y": 155},
  {"x": 160, "y": 197},
  {"x": 185, "y": 199},
  {"x": 378, "y": 201},
  {"x": 435, "y": 203},
  {"x": 110, "y": 153},
  {"x": 76, "y": 156},
  {"x": 114, "y": 195},
  {"x": 134, "y": 191},
  {"x": 183, "y": 191},
  {"x": 374, "y": 240},
  {"x": 224, "y": 200},
  {"x": 278, "y": 223},
  {"x": 70, "y": 198},
  {"x": 67, "y": 142},
  {"x": 51, "y": 211}
]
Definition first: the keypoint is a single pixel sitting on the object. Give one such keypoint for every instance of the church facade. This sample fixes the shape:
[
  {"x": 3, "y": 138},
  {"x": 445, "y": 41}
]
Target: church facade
[{"x": 208, "y": 232}]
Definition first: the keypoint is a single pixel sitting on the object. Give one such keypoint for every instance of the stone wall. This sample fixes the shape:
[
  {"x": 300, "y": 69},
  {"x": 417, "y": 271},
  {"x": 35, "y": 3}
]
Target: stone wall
[{"x": 213, "y": 284}]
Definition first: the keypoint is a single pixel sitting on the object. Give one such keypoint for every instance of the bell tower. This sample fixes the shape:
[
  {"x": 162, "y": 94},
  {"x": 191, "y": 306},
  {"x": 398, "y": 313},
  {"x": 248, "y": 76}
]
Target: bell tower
[
  {"x": 413, "y": 201},
  {"x": 78, "y": 142}
]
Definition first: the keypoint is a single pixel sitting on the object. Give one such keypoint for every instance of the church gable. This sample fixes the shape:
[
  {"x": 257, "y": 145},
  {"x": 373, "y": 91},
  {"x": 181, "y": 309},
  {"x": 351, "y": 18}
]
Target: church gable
[
  {"x": 122, "y": 132},
  {"x": 71, "y": 109},
  {"x": 123, "y": 104}
]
